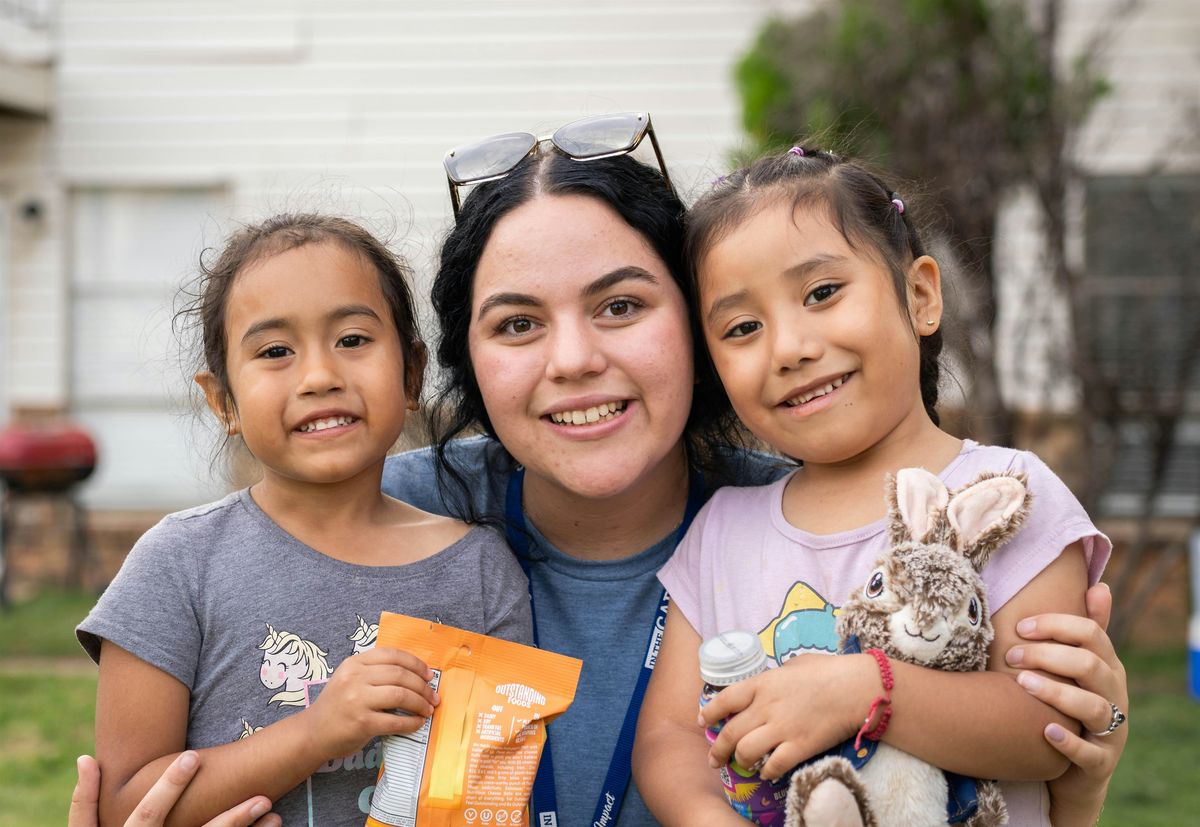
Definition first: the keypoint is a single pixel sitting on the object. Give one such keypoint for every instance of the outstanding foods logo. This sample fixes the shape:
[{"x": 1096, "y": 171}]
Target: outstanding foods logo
[{"x": 518, "y": 694}]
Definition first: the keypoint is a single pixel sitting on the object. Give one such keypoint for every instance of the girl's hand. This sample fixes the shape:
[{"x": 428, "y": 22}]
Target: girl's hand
[
  {"x": 791, "y": 712},
  {"x": 153, "y": 810},
  {"x": 355, "y": 706},
  {"x": 1078, "y": 648}
]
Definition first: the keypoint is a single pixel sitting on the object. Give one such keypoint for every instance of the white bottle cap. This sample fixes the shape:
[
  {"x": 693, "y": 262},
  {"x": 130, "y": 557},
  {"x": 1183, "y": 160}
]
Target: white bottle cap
[{"x": 731, "y": 657}]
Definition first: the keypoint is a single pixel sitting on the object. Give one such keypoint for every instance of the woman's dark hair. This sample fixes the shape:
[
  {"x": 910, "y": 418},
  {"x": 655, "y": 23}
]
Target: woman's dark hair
[
  {"x": 205, "y": 309},
  {"x": 862, "y": 206},
  {"x": 641, "y": 197}
]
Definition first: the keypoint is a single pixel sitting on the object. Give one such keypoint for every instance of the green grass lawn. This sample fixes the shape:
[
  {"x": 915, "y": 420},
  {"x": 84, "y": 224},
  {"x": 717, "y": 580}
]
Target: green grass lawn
[
  {"x": 47, "y": 703},
  {"x": 1158, "y": 779},
  {"x": 44, "y": 627},
  {"x": 45, "y": 722},
  {"x": 46, "y": 710}
]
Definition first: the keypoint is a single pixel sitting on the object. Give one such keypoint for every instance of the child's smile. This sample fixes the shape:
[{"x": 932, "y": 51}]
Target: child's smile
[
  {"x": 327, "y": 424},
  {"x": 816, "y": 395}
]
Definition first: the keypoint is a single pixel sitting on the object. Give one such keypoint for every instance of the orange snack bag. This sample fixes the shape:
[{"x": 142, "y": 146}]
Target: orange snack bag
[{"x": 474, "y": 760}]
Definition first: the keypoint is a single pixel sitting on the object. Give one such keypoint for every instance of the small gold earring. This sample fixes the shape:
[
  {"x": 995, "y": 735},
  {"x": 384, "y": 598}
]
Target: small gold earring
[{"x": 931, "y": 323}]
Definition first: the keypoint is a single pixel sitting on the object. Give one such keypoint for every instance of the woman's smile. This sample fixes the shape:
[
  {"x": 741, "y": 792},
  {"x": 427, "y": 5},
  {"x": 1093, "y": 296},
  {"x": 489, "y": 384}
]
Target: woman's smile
[
  {"x": 604, "y": 412},
  {"x": 594, "y": 422}
]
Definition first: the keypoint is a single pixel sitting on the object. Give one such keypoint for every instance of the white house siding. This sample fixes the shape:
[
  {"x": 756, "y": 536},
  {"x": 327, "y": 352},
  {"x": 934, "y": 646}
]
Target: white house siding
[
  {"x": 341, "y": 106},
  {"x": 33, "y": 370},
  {"x": 1151, "y": 120},
  {"x": 243, "y": 109},
  {"x": 1148, "y": 122}
]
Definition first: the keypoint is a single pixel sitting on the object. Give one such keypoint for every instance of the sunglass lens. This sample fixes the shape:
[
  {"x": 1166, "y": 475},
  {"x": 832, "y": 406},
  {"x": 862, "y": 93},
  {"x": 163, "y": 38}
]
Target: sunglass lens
[
  {"x": 489, "y": 158},
  {"x": 601, "y": 135}
]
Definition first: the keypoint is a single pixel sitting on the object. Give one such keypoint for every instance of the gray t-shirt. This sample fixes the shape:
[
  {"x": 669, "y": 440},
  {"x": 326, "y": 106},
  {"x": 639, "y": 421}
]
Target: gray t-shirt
[
  {"x": 599, "y": 611},
  {"x": 253, "y": 622}
]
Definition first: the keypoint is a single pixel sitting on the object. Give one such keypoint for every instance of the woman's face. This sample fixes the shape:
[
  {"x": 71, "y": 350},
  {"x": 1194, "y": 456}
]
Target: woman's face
[{"x": 579, "y": 341}]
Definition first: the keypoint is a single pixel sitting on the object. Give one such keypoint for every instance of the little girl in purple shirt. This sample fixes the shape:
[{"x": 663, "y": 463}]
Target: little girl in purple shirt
[{"x": 822, "y": 312}]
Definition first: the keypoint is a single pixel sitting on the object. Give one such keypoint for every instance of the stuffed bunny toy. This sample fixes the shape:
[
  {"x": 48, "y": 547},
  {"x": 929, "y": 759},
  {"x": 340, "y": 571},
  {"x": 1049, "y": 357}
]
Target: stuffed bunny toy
[{"x": 925, "y": 603}]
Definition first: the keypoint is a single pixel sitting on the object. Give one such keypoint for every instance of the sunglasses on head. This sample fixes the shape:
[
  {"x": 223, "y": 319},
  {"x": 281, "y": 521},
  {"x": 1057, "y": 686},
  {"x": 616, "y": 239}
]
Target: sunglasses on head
[{"x": 587, "y": 139}]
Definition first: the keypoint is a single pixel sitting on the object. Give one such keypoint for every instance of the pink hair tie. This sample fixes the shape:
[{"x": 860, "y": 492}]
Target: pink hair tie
[
  {"x": 796, "y": 150},
  {"x": 899, "y": 205}
]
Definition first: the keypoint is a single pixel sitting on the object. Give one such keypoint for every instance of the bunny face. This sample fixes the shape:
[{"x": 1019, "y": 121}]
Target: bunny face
[{"x": 924, "y": 604}]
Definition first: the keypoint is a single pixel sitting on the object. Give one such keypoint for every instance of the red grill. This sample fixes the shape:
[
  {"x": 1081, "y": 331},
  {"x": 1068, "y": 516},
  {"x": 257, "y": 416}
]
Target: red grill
[{"x": 46, "y": 458}]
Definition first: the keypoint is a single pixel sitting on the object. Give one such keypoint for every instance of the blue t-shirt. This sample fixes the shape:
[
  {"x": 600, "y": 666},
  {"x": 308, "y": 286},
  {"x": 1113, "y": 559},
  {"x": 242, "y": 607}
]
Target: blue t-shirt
[{"x": 598, "y": 611}]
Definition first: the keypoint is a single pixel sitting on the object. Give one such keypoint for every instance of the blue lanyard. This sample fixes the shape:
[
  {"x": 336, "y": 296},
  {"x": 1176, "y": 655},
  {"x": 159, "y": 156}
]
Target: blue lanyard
[{"x": 612, "y": 795}]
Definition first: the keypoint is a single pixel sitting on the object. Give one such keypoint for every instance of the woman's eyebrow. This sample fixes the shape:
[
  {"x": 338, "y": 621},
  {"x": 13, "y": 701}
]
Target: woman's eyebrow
[
  {"x": 500, "y": 299},
  {"x": 610, "y": 280},
  {"x": 601, "y": 285}
]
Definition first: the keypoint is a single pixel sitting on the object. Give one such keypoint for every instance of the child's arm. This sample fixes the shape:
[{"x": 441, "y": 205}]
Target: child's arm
[
  {"x": 670, "y": 754},
  {"x": 153, "y": 809},
  {"x": 981, "y": 724},
  {"x": 141, "y": 725}
]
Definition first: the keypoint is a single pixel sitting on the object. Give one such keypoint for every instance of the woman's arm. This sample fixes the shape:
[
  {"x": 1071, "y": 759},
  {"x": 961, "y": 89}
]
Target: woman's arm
[
  {"x": 981, "y": 724},
  {"x": 670, "y": 754},
  {"x": 1079, "y": 649},
  {"x": 141, "y": 726},
  {"x": 154, "y": 807}
]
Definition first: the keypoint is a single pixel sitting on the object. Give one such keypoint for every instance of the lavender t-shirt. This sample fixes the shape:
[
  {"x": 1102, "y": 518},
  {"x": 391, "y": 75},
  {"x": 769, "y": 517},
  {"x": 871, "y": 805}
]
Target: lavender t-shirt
[{"x": 744, "y": 566}]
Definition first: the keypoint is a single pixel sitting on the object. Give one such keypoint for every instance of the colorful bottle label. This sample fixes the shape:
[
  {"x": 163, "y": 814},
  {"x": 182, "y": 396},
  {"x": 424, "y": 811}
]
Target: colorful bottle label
[{"x": 763, "y": 802}]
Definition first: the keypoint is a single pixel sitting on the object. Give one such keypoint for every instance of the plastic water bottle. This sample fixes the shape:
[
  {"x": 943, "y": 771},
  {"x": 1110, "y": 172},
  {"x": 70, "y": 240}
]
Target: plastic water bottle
[{"x": 724, "y": 660}]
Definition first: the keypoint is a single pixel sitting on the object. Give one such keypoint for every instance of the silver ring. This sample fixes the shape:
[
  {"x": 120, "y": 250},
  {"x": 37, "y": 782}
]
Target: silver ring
[{"x": 1118, "y": 718}]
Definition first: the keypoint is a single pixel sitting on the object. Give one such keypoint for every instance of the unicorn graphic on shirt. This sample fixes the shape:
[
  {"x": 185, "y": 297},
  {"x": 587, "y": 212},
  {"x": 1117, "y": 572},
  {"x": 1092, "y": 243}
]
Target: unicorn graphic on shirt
[
  {"x": 805, "y": 623},
  {"x": 364, "y": 636},
  {"x": 289, "y": 661}
]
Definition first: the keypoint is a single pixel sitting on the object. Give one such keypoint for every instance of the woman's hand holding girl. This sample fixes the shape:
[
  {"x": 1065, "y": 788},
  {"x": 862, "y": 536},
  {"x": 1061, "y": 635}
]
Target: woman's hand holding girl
[
  {"x": 356, "y": 705},
  {"x": 790, "y": 714},
  {"x": 1078, "y": 648}
]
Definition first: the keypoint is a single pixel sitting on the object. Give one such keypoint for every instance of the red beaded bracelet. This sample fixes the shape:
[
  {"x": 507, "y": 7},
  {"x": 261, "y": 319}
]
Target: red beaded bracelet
[{"x": 884, "y": 700}]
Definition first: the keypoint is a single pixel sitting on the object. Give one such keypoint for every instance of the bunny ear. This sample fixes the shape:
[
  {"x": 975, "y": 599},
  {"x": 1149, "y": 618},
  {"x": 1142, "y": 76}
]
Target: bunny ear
[
  {"x": 919, "y": 498},
  {"x": 986, "y": 513}
]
